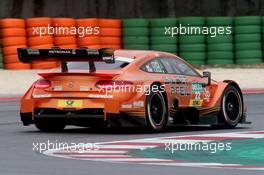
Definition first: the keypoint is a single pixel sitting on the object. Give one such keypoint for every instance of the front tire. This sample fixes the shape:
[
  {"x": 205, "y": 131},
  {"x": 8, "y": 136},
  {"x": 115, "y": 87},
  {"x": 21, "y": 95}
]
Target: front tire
[
  {"x": 231, "y": 107},
  {"x": 156, "y": 111}
]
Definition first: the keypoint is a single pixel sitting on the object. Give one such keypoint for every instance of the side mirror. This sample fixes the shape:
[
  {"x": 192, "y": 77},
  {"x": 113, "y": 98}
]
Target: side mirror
[{"x": 208, "y": 76}]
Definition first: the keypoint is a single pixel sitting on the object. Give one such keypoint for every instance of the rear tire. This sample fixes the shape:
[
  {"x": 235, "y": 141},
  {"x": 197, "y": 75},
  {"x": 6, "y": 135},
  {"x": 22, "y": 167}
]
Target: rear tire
[
  {"x": 231, "y": 107},
  {"x": 156, "y": 111},
  {"x": 49, "y": 126}
]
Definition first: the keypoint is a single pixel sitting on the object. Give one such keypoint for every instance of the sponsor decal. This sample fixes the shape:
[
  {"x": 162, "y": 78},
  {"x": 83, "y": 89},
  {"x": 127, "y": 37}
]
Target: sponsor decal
[
  {"x": 70, "y": 84},
  {"x": 175, "y": 80},
  {"x": 60, "y": 51},
  {"x": 70, "y": 103},
  {"x": 57, "y": 88},
  {"x": 99, "y": 96},
  {"x": 195, "y": 102},
  {"x": 207, "y": 95},
  {"x": 126, "y": 106},
  {"x": 197, "y": 87},
  {"x": 138, "y": 104},
  {"x": 41, "y": 95},
  {"x": 179, "y": 85},
  {"x": 108, "y": 59},
  {"x": 84, "y": 88},
  {"x": 33, "y": 52},
  {"x": 92, "y": 51},
  {"x": 181, "y": 90},
  {"x": 74, "y": 51}
]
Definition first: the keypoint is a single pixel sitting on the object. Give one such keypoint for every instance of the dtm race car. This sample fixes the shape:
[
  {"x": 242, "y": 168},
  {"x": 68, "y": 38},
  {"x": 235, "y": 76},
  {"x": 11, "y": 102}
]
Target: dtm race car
[{"x": 111, "y": 88}]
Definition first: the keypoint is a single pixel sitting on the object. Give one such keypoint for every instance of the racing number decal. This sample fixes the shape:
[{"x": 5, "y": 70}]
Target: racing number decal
[
  {"x": 200, "y": 94},
  {"x": 197, "y": 95}
]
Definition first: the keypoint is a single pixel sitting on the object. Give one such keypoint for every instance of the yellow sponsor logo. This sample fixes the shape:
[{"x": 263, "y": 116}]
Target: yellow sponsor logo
[
  {"x": 194, "y": 102},
  {"x": 70, "y": 103}
]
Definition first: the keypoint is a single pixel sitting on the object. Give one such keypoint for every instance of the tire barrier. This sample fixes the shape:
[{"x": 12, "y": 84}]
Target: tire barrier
[
  {"x": 13, "y": 35},
  {"x": 242, "y": 46},
  {"x": 136, "y": 34},
  {"x": 220, "y": 48}
]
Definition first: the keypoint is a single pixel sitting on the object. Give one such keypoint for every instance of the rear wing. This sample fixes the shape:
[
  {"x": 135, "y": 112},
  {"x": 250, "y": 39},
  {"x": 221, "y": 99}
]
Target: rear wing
[{"x": 28, "y": 55}]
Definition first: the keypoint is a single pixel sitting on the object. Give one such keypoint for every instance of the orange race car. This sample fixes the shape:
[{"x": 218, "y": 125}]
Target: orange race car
[{"x": 102, "y": 87}]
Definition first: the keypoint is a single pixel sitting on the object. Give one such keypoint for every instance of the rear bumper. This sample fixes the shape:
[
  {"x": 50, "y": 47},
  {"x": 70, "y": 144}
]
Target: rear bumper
[
  {"x": 123, "y": 119},
  {"x": 71, "y": 116}
]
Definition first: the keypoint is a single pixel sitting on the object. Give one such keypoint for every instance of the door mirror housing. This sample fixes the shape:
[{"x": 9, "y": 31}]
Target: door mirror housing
[{"x": 207, "y": 75}]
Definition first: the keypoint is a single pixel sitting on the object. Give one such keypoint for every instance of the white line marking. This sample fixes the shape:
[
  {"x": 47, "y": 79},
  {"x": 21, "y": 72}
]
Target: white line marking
[{"x": 121, "y": 156}]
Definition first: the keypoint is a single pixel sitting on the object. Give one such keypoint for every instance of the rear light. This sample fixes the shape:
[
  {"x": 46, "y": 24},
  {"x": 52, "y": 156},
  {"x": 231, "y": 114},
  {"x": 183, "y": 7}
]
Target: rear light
[
  {"x": 111, "y": 84},
  {"x": 42, "y": 84}
]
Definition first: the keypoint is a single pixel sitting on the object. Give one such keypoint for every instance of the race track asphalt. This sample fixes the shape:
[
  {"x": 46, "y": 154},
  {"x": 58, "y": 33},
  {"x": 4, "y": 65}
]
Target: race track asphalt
[{"x": 18, "y": 158}]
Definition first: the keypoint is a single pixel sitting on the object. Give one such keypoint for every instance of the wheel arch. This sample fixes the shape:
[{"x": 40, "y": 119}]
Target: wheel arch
[{"x": 233, "y": 83}]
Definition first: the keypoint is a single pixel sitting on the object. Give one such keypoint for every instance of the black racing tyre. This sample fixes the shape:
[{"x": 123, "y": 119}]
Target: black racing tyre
[
  {"x": 222, "y": 55},
  {"x": 220, "y": 47},
  {"x": 191, "y": 39},
  {"x": 247, "y": 54},
  {"x": 219, "y": 21},
  {"x": 136, "y": 46},
  {"x": 249, "y": 61},
  {"x": 49, "y": 125},
  {"x": 231, "y": 110},
  {"x": 165, "y": 47},
  {"x": 220, "y": 39},
  {"x": 251, "y": 29},
  {"x": 163, "y": 40},
  {"x": 220, "y": 61},
  {"x": 1, "y": 58},
  {"x": 193, "y": 56},
  {"x": 136, "y": 40},
  {"x": 247, "y": 20},
  {"x": 156, "y": 111},
  {"x": 194, "y": 21},
  {"x": 135, "y": 22},
  {"x": 159, "y": 31},
  {"x": 248, "y": 46},
  {"x": 196, "y": 62},
  {"x": 192, "y": 47},
  {"x": 136, "y": 31},
  {"x": 163, "y": 22},
  {"x": 247, "y": 38}
]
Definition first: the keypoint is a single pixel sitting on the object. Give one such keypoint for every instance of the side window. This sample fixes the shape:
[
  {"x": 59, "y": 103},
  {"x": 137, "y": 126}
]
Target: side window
[
  {"x": 154, "y": 66},
  {"x": 176, "y": 66},
  {"x": 168, "y": 66}
]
